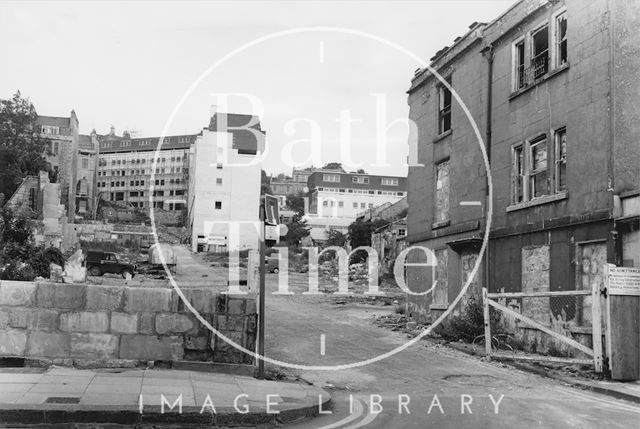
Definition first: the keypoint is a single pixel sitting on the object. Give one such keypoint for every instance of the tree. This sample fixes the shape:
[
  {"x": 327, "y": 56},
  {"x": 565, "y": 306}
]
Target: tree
[
  {"x": 265, "y": 187},
  {"x": 296, "y": 203},
  {"x": 298, "y": 229},
  {"x": 333, "y": 166},
  {"x": 21, "y": 148},
  {"x": 335, "y": 238},
  {"x": 360, "y": 231},
  {"x": 20, "y": 258}
]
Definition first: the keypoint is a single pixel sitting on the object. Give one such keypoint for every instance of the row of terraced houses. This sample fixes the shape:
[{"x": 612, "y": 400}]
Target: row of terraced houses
[{"x": 550, "y": 92}]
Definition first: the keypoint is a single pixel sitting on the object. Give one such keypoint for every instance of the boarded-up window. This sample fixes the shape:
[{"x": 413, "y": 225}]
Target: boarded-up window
[
  {"x": 442, "y": 192},
  {"x": 441, "y": 289},
  {"x": 535, "y": 278},
  {"x": 590, "y": 259},
  {"x": 469, "y": 261}
]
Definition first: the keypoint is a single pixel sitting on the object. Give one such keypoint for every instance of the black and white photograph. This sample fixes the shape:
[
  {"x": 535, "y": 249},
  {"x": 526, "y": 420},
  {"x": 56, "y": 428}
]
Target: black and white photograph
[{"x": 320, "y": 214}]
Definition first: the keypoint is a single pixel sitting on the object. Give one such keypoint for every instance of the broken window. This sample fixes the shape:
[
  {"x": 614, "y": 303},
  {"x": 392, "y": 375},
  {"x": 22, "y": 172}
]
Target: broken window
[
  {"x": 442, "y": 191},
  {"x": 561, "y": 159},
  {"x": 540, "y": 51},
  {"x": 531, "y": 174},
  {"x": 538, "y": 168},
  {"x": 520, "y": 77},
  {"x": 444, "y": 107},
  {"x": 518, "y": 174},
  {"x": 561, "y": 39}
]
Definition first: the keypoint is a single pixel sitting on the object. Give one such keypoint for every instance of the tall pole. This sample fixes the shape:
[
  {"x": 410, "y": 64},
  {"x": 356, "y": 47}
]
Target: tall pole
[{"x": 262, "y": 295}]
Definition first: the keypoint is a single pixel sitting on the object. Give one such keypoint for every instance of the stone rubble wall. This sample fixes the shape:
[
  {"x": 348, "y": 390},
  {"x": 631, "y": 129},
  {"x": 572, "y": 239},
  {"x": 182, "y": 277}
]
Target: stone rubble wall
[{"x": 96, "y": 325}]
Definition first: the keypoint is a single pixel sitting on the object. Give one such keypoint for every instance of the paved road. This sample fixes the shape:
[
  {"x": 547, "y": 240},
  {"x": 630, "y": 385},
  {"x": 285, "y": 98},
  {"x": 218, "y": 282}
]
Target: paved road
[{"x": 434, "y": 379}]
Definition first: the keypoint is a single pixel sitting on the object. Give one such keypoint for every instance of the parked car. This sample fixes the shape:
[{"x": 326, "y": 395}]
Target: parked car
[
  {"x": 99, "y": 263},
  {"x": 272, "y": 264}
]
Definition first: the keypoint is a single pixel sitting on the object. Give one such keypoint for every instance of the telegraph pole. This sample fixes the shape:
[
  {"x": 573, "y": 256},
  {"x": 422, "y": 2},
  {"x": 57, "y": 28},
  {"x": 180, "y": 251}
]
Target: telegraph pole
[{"x": 262, "y": 294}]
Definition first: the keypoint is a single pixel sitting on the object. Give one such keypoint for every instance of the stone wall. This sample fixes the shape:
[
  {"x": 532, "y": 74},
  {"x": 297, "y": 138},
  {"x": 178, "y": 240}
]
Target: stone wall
[{"x": 95, "y": 325}]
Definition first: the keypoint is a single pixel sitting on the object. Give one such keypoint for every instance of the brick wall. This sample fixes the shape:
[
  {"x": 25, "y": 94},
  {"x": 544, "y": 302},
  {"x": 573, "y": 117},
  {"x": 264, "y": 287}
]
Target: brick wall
[{"x": 92, "y": 325}]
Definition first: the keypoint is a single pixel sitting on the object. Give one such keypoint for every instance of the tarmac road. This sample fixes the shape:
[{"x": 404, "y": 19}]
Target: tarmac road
[{"x": 444, "y": 387}]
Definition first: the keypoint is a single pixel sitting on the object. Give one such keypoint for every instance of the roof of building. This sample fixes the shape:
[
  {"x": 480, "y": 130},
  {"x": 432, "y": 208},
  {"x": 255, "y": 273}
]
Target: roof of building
[
  {"x": 112, "y": 143},
  {"x": 237, "y": 124},
  {"x": 54, "y": 121},
  {"x": 85, "y": 142}
]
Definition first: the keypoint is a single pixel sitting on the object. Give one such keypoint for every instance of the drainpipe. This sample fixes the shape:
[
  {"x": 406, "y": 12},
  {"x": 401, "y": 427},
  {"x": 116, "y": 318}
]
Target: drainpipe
[{"x": 488, "y": 53}]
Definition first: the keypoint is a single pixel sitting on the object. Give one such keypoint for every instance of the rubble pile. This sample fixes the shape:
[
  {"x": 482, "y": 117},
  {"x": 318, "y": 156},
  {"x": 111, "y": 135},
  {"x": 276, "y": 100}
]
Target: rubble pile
[{"x": 401, "y": 323}]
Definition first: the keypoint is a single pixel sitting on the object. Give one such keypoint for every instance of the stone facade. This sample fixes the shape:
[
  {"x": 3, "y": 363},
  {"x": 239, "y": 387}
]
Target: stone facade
[
  {"x": 90, "y": 325},
  {"x": 561, "y": 136}
]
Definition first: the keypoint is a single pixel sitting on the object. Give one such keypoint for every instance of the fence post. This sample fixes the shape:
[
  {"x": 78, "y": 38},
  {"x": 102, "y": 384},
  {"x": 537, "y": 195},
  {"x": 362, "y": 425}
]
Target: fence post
[
  {"x": 487, "y": 323},
  {"x": 596, "y": 323}
]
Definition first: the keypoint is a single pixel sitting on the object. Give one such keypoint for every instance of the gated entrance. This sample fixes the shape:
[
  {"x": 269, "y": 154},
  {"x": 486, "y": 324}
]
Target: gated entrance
[{"x": 556, "y": 325}]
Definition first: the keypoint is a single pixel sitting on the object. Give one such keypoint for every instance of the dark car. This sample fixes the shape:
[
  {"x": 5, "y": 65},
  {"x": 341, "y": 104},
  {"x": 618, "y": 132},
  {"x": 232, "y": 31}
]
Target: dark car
[
  {"x": 99, "y": 263},
  {"x": 272, "y": 264}
]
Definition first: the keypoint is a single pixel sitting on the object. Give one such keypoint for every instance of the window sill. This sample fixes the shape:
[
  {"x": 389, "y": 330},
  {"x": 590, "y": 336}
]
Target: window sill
[
  {"x": 442, "y": 136},
  {"x": 539, "y": 201},
  {"x": 538, "y": 81},
  {"x": 441, "y": 224}
]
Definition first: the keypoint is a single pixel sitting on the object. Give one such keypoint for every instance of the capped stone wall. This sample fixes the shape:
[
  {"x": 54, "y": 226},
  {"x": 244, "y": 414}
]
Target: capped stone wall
[{"x": 96, "y": 325}]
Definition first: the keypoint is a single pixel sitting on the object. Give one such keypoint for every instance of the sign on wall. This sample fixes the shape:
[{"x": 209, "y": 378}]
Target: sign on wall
[{"x": 623, "y": 281}]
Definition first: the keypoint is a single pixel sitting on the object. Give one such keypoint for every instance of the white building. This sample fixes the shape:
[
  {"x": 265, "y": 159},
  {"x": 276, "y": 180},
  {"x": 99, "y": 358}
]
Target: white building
[
  {"x": 224, "y": 183},
  {"x": 338, "y": 198}
]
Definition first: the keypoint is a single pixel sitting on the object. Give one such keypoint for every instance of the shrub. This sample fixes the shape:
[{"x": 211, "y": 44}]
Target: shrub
[
  {"x": 470, "y": 324},
  {"x": 17, "y": 271},
  {"x": 41, "y": 259}
]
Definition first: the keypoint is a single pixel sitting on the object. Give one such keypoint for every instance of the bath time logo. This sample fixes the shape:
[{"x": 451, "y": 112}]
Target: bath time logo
[{"x": 314, "y": 143}]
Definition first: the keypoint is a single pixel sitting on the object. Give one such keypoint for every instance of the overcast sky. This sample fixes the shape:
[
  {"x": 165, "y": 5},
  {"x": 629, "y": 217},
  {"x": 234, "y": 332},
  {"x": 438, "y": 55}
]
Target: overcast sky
[{"x": 129, "y": 64}]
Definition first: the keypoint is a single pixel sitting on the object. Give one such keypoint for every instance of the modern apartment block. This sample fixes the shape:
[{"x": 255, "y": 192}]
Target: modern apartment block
[
  {"x": 224, "y": 183},
  {"x": 126, "y": 164},
  {"x": 337, "y": 198},
  {"x": 552, "y": 87},
  {"x": 62, "y": 134}
]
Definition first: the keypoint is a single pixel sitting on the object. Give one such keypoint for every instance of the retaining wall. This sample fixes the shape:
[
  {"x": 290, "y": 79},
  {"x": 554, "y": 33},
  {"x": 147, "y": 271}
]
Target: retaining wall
[{"x": 96, "y": 325}]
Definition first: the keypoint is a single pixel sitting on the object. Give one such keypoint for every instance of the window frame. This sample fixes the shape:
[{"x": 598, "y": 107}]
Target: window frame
[
  {"x": 562, "y": 12},
  {"x": 517, "y": 82},
  {"x": 553, "y": 162},
  {"x": 444, "y": 110},
  {"x": 446, "y": 214},
  {"x": 558, "y": 159},
  {"x": 532, "y": 144}
]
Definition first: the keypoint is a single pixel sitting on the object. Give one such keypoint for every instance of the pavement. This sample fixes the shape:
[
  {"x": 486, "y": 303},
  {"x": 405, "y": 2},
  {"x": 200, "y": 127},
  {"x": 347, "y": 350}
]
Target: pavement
[{"x": 151, "y": 396}]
